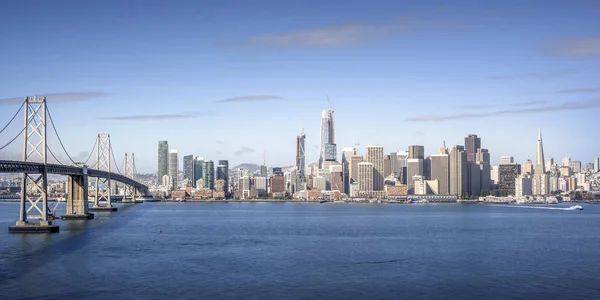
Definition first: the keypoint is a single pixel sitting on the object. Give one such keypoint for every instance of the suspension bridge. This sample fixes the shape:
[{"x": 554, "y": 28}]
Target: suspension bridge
[{"x": 35, "y": 215}]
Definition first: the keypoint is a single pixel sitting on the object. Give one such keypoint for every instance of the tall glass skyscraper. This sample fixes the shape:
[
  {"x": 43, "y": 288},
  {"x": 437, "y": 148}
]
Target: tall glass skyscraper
[
  {"x": 198, "y": 164},
  {"x": 174, "y": 167},
  {"x": 208, "y": 174},
  {"x": 163, "y": 160},
  {"x": 223, "y": 173},
  {"x": 188, "y": 167},
  {"x": 328, "y": 147},
  {"x": 301, "y": 154}
]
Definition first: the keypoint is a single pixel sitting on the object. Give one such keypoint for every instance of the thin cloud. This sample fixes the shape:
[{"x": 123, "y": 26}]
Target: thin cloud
[
  {"x": 518, "y": 104},
  {"x": 574, "y": 91},
  {"x": 344, "y": 35},
  {"x": 155, "y": 117},
  {"x": 539, "y": 75},
  {"x": 577, "y": 47},
  {"x": 58, "y": 97},
  {"x": 254, "y": 98},
  {"x": 579, "y": 105},
  {"x": 219, "y": 142},
  {"x": 244, "y": 150}
]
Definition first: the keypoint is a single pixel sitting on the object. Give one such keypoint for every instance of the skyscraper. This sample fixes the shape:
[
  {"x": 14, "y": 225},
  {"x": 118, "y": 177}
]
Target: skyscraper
[
  {"x": 328, "y": 147},
  {"x": 458, "y": 171},
  {"x": 440, "y": 170},
  {"x": 472, "y": 143},
  {"x": 540, "y": 178},
  {"x": 507, "y": 176},
  {"x": 347, "y": 153},
  {"x": 375, "y": 156},
  {"x": 414, "y": 166},
  {"x": 353, "y": 172},
  {"x": 482, "y": 158},
  {"x": 365, "y": 178},
  {"x": 174, "y": 167},
  {"x": 208, "y": 172},
  {"x": 416, "y": 151},
  {"x": 398, "y": 162},
  {"x": 527, "y": 168},
  {"x": 223, "y": 173},
  {"x": 163, "y": 160},
  {"x": 300, "y": 155},
  {"x": 198, "y": 163},
  {"x": 596, "y": 164},
  {"x": 188, "y": 168},
  {"x": 505, "y": 160}
]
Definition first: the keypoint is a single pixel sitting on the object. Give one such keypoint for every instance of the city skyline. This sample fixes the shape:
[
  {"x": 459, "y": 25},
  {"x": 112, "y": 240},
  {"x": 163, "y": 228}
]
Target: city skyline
[{"x": 112, "y": 67}]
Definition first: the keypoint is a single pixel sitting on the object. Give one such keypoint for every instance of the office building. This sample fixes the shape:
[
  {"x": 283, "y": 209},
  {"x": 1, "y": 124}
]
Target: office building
[
  {"x": 398, "y": 163},
  {"x": 354, "y": 161},
  {"x": 523, "y": 186},
  {"x": 440, "y": 171},
  {"x": 208, "y": 172},
  {"x": 414, "y": 166},
  {"x": 375, "y": 156},
  {"x": 277, "y": 184},
  {"x": 223, "y": 173},
  {"x": 527, "y": 168},
  {"x": 198, "y": 164},
  {"x": 507, "y": 176},
  {"x": 596, "y": 164},
  {"x": 347, "y": 154},
  {"x": 472, "y": 143},
  {"x": 328, "y": 147},
  {"x": 416, "y": 152},
  {"x": 174, "y": 168},
  {"x": 163, "y": 159},
  {"x": 575, "y": 166},
  {"x": 494, "y": 175},
  {"x": 540, "y": 179},
  {"x": 506, "y": 160},
  {"x": 188, "y": 167},
  {"x": 458, "y": 171},
  {"x": 387, "y": 166},
  {"x": 566, "y": 161},
  {"x": 482, "y": 158},
  {"x": 365, "y": 178}
]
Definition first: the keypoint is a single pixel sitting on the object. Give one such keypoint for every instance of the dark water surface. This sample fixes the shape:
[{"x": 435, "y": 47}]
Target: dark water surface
[{"x": 307, "y": 251}]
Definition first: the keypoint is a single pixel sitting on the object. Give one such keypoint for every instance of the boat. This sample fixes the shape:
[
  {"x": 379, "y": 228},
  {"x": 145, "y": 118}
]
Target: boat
[
  {"x": 576, "y": 207},
  {"x": 323, "y": 201}
]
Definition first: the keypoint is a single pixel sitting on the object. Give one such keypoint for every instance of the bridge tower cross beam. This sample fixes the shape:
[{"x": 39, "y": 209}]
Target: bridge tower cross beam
[
  {"x": 102, "y": 198},
  {"x": 34, "y": 187},
  {"x": 129, "y": 169}
]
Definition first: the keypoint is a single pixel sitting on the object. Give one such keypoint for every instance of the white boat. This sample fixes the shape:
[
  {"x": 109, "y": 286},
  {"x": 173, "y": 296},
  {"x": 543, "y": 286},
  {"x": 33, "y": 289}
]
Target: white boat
[{"x": 576, "y": 207}]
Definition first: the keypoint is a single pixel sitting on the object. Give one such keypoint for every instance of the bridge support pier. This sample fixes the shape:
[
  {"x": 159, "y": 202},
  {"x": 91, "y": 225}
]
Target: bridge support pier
[{"x": 77, "y": 198}]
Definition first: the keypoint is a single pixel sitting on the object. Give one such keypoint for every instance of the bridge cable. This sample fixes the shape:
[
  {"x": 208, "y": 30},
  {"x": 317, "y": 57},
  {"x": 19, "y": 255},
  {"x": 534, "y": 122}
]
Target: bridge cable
[
  {"x": 13, "y": 118},
  {"x": 91, "y": 152},
  {"x": 13, "y": 138},
  {"x": 58, "y": 136},
  {"x": 48, "y": 148},
  {"x": 114, "y": 159}
]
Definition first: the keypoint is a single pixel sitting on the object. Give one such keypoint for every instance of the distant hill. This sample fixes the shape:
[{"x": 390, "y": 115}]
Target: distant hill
[{"x": 250, "y": 168}]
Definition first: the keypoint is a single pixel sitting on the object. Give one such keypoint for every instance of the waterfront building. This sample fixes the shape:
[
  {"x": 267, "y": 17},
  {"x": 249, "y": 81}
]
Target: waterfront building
[
  {"x": 163, "y": 159},
  {"x": 365, "y": 178},
  {"x": 353, "y": 168},
  {"x": 523, "y": 186},
  {"x": 174, "y": 167},
  {"x": 440, "y": 171},
  {"x": 414, "y": 166},
  {"x": 507, "y": 175},
  {"x": 198, "y": 164},
  {"x": 223, "y": 173},
  {"x": 347, "y": 154},
  {"x": 540, "y": 178},
  {"x": 301, "y": 156},
  {"x": 458, "y": 171},
  {"x": 398, "y": 163},
  {"x": 375, "y": 156},
  {"x": 494, "y": 175}
]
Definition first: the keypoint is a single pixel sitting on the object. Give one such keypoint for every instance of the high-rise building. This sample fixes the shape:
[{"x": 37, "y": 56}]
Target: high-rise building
[
  {"x": 575, "y": 166},
  {"x": 223, "y": 173},
  {"x": 566, "y": 161},
  {"x": 387, "y": 166},
  {"x": 198, "y": 163},
  {"x": 414, "y": 166},
  {"x": 174, "y": 167},
  {"x": 398, "y": 162},
  {"x": 416, "y": 152},
  {"x": 163, "y": 159},
  {"x": 354, "y": 161},
  {"x": 494, "y": 176},
  {"x": 596, "y": 164},
  {"x": 482, "y": 158},
  {"x": 506, "y": 160},
  {"x": 472, "y": 143},
  {"x": 301, "y": 155},
  {"x": 208, "y": 172},
  {"x": 527, "y": 168},
  {"x": 188, "y": 167},
  {"x": 523, "y": 186},
  {"x": 347, "y": 153},
  {"x": 440, "y": 171},
  {"x": 549, "y": 164},
  {"x": 540, "y": 178},
  {"x": 473, "y": 178},
  {"x": 328, "y": 147},
  {"x": 365, "y": 178},
  {"x": 458, "y": 171},
  {"x": 375, "y": 156},
  {"x": 507, "y": 176}
]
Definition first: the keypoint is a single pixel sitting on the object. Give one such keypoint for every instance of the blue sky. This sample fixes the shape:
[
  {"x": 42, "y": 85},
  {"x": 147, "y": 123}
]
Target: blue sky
[{"x": 233, "y": 79}]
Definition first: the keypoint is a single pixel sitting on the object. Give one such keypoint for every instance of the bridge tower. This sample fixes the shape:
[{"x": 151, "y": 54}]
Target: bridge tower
[
  {"x": 34, "y": 183},
  {"x": 103, "y": 193},
  {"x": 129, "y": 191}
]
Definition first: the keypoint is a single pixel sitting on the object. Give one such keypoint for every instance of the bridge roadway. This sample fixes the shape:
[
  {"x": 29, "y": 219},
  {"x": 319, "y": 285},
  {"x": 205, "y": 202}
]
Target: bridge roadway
[{"x": 11, "y": 166}]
